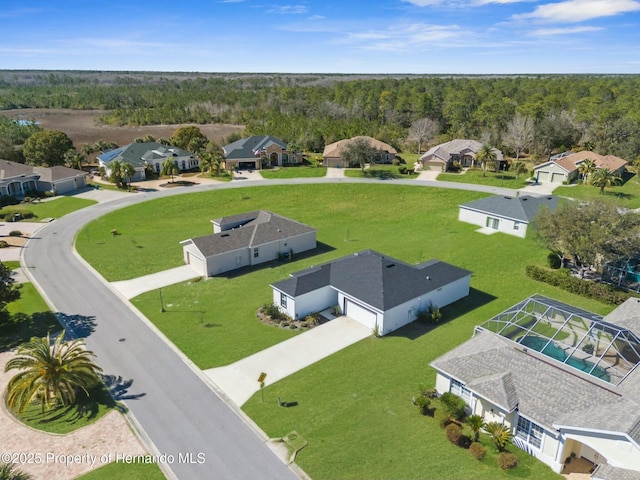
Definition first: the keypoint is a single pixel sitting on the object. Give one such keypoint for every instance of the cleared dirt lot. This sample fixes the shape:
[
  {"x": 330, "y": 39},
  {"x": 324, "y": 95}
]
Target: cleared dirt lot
[{"x": 81, "y": 127}]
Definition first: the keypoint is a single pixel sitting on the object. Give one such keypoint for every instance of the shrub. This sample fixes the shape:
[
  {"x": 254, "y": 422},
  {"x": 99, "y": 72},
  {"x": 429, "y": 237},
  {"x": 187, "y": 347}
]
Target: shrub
[
  {"x": 435, "y": 313},
  {"x": 585, "y": 288},
  {"x": 3, "y": 244},
  {"x": 443, "y": 418},
  {"x": 477, "y": 450},
  {"x": 553, "y": 260},
  {"x": 507, "y": 460},
  {"x": 453, "y": 433},
  {"x": 453, "y": 405},
  {"x": 15, "y": 233},
  {"x": 423, "y": 404},
  {"x": 8, "y": 200}
]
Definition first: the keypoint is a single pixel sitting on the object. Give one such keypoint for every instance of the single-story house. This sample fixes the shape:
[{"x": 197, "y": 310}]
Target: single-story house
[
  {"x": 258, "y": 151},
  {"x": 16, "y": 179},
  {"x": 143, "y": 154},
  {"x": 505, "y": 214},
  {"x": 247, "y": 239},
  {"x": 565, "y": 167},
  {"x": 463, "y": 151},
  {"x": 564, "y": 380},
  {"x": 332, "y": 154},
  {"x": 378, "y": 291}
]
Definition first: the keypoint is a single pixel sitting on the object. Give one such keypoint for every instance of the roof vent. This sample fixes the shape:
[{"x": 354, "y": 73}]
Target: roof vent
[
  {"x": 549, "y": 198},
  {"x": 507, "y": 198},
  {"x": 279, "y": 230},
  {"x": 428, "y": 277},
  {"x": 391, "y": 265},
  {"x": 224, "y": 235},
  {"x": 524, "y": 199}
]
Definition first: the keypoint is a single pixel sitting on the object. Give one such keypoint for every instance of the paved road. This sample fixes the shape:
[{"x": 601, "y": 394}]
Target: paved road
[{"x": 176, "y": 409}]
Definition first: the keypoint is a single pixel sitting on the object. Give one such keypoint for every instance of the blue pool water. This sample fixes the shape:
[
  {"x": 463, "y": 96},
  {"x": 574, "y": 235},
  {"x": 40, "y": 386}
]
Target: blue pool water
[{"x": 554, "y": 351}]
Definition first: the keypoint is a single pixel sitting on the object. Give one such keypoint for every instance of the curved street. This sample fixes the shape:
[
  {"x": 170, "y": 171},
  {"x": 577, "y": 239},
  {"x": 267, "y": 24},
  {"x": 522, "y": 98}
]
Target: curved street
[{"x": 175, "y": 410}]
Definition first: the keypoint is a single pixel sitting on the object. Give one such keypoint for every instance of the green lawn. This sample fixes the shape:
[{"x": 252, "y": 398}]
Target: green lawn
[
  {"x": 223, "y": 177},
  {"x": 626, "y": 195},
  {"x": 29, "y": 316},
  {"x": 507, "y": 180},
  {"x": 61, "y": 420},
  {"x": 354, "y": 408},
  {"x": 123, "y": 471},
  {"x": 383, "y": 172},
  {"x": 54, "y": 208},
  {"x": 295, "y": 172}
]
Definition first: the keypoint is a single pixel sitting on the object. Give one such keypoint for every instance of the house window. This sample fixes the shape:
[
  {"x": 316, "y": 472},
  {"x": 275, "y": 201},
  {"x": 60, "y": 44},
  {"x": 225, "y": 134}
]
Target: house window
[
  {"x": 283, "y": 300},
  {"x": 493, "y": 223},
  {"x": 256, "y": 252},
  {"x": 529, "y": 432},
  {"x": 516, "y": 225},
  {"x": 457, "y": 388}
]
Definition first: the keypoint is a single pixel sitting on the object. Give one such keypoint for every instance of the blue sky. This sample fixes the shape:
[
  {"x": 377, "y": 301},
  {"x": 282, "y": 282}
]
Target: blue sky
[{"x": 330, "y": 36}]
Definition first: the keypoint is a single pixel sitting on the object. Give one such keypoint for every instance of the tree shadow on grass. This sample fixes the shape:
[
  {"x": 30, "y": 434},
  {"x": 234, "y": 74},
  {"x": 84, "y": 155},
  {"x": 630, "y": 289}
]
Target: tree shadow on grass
[
  {"x": 475, "y": 299},
  {"x": 18, "y": 328}
]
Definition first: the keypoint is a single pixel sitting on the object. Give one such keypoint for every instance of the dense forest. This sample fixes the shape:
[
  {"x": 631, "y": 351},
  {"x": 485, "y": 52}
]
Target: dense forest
[{"x": 599, "y": 112}]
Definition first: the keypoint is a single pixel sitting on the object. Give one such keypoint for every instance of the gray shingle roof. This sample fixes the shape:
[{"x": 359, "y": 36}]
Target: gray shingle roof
[
  {"x": 137, "y": 153},
  {"x": 522, "y": 209},
  {"x": 56, "y": 173},
  {"x": 457, "y": 146},
  {"x": 627, "y": 315},
  {"x": 607, "y": 472},
  {"x": 265, "y": 227},
  {"x": 375, "y": 279},
  {"x": 247, "y": 147},
  {"x": 12, "y": 169},
  {"x": 547, "y": 393}
]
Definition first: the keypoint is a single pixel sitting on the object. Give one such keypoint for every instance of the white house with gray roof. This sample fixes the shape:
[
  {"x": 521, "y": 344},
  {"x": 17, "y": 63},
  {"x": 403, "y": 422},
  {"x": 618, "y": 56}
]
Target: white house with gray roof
[
  {"x": 501, "y": 213},
  {"x": 247, "y": 239},
  {"x": 141, "y": 154},
  {"x": 380, "y": 292},
  {"x": 565, "y": 380},
  {"x": 252, "y": 152},
  {"x": 16, "y": 179}
]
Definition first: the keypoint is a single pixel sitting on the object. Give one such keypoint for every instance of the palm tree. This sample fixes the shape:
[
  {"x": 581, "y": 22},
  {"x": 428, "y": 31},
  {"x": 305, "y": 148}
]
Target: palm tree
[
  {"x": 126, "y": 172},
  {"x": 519, "y": 168},
  {"x": 486, "y": 155},
  {"x": 216, "y": 155},
  {"x": 169, "y": 167},
  {"x": 475, "y": 422},
  {"x": 586, "y": 168},
  {"x": 73, "y": 159},
  {"x": 8, "y": 471},
  {"x": 603, "y": 178},
  {"x": 500, "y": 434},
  {"x": 51, "y": 372}
]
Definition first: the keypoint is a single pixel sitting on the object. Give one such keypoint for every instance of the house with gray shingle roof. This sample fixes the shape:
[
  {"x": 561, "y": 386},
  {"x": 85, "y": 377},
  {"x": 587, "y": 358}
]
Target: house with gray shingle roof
[
  {"x": 258, "y": 151},
  {"x": 153, "y": 154},
  {"x": 501, "y": 213},
  {"x": 564, "y": 380},
  {"x": 247, "y": 239},
  {"x": 463, "y": 151},
  {"x": 378, "y": 291},
  {"x": 16, "y": 179}
]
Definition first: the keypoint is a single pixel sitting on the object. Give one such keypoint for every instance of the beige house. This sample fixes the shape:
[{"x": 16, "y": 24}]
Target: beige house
[
  {"x": 565, "y": 167},
  {"x": 259, "y": 151},
  {"x": 332, "y": 154},
  {"x": 463, "y": 151}
]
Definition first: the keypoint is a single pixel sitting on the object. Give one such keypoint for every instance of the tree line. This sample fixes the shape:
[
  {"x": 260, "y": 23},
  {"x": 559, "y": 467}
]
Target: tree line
[{"x": 562, "y": 111}]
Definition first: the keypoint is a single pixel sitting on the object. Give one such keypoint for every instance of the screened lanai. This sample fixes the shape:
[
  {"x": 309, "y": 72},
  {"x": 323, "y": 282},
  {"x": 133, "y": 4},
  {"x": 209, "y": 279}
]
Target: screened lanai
[{"x": 567, "y": 334}]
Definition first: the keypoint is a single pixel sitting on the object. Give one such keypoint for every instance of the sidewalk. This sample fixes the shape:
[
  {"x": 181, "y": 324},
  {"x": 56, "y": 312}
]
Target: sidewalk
[
  {"x": 333, "y": 172},
  {"x": 136, "y": 286}
]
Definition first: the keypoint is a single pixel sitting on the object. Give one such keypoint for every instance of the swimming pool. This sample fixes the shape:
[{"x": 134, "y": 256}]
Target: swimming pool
[{"x": 554, "y": 351}]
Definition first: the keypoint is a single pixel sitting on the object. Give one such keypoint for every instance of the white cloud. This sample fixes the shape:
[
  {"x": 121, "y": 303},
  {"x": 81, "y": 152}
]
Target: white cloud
[
  {"x": 406, "y": 37},
  {"x": 580, "y": 10},
  {"x": 462, "y": 3},
  {"x": 288, "y": 9},
  {"x": 316, "y": 17},
  {"x": 546, "y": 32}
]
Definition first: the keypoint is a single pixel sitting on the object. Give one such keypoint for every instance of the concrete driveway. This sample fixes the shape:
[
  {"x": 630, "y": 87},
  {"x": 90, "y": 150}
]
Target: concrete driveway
[
  {"x": 239, "y": 381},
  {"x": 134, "y": 287}
]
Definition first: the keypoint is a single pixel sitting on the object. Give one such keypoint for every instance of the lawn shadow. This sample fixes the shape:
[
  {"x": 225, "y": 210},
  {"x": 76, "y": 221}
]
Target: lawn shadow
[
  {"x": 79, "y": 325},
  {"x": 416, "y": 329},
  {"x": 18, "y": 328},
  {"x": 320, "y": 249}
]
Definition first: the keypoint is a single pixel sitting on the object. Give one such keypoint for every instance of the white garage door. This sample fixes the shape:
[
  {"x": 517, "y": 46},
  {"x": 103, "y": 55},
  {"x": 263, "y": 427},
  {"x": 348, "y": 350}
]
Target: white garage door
[
  {"x": 543, "y": 176},
  {"x": 557, "y": 178},
  {"x": 360, "y": 314},
  {"x": 197, "y": 264}
]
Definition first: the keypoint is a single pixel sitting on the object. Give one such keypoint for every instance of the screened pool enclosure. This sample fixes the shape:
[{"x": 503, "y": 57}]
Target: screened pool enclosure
[{"x": 566, "y": 334}]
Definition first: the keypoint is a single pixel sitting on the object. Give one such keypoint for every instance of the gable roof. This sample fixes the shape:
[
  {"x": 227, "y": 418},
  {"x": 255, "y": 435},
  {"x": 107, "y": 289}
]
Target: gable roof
[
  {"x": 570, "y": 162},
  {"x": 335, "y": 149},
  {"x": 522, "y": 209},
  {"x": 57, "y": 173},
  {"x": 138, "y": 153},
  {"x": 459, "y": 146},
  {"x": 250, "y": 147},
  {"x": 264, "y": 227},
  {"x": 379, "y": 281}
]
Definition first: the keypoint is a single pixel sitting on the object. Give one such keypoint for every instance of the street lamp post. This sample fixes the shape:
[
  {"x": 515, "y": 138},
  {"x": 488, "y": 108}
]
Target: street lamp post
[{"x": 162, "y": 310}]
